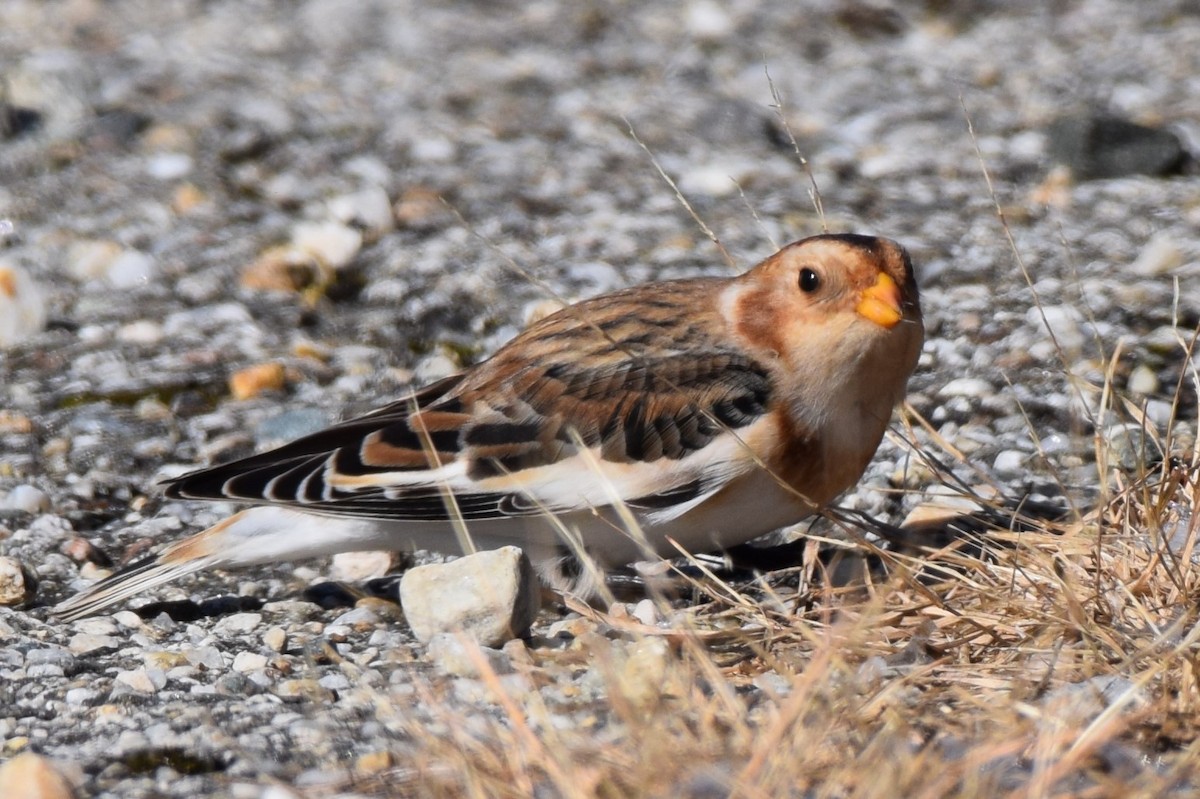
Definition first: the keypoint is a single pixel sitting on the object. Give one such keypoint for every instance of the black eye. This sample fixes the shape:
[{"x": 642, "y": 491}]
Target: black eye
[{"x": 809, "y": 280}]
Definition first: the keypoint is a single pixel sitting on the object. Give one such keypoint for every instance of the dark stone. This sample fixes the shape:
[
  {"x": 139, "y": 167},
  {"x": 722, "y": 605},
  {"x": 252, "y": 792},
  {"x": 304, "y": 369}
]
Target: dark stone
[
  {"x": 1097, "y": 146},
  {"x": 16, "y": 121},
  {"x": 116, "y": 129}
]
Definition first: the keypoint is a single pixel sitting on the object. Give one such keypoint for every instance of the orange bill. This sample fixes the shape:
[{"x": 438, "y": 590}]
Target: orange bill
[{"x": 881, "y": 302}]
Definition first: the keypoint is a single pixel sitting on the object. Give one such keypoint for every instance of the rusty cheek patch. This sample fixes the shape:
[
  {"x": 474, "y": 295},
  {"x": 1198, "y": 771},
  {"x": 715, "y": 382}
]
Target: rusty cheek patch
[{"x": 761, "y": 318}]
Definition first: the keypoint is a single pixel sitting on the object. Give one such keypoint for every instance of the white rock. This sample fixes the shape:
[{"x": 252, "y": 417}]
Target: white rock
[
  {"x": 708, "y": 21},
  {"x": 369, "y": 208},
  {"x": 249, "y": 661},
  {"x": 357, "y": 567},
  {"x": 434, "y": 367},
  {"x": 143, "y": 331},
  {"x": 333, "y": 243},
  {"x": 645, "y": 612},
  {"x": 433, "y": 150},
  {"x": 1160, "y": 255},
  {"x": 1142, "y": 380},
  {"x": 16, "y": 583},
  {"x": 1063, "y": 322},
  {"x": 81, "y": 696},
  {"x": 713, "y": 180},
  {"x": 973, "y": 387},
  {"x": 86, "y": 643},
  {"x": 143, "y": 680},
  {"x": 169, "y": 166},
  {"x": 490, "y": 596},
  {"x": 1009, "y": 462},
  {"x": 131, "y": 269},
  {"x": 27, "y": 498},
  {"x": 238, "y": 623},
  {"x": 22, "y": 305}
]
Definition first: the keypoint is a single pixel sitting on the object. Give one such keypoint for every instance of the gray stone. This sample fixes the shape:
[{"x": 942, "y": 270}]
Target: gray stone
[
  {"x": 490, "y": 596},
  {"x": 28, "y": 499}
]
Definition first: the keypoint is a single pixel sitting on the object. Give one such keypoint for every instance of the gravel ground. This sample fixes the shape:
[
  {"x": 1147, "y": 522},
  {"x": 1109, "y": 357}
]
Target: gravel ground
[{"x": 192, "y": 190}]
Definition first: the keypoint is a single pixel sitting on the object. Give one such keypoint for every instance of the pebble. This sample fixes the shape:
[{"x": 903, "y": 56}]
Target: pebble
[
  {"x": 255, "y": 380},
  {"x": 1142, "y": 380},
  {"x": 332, "y": 243},
  {"x": 358, "y": 567},
  {"x": 169, "y": 166},
  {"x": 275, "y": 639},
  {"x": 143, "y": 680},
  {"x": 81, "y": 696},
  {"x": 1009, "y": 463},
  {"x": 1161, "y": 254},
  {"x": 360, "y": 619},
  {"x": 238, "y": 624},
  {"x": 369, "y": 209},
  {"x": 32, "y": 776},
  {"x": 490, "y": 596},
  {"x": 970, "y": 387},
  {"x": 87, "y": 643},
  {"x": 17, "y": 584},
  {"x": 131, "y": 269},
  {"x": 286, "y": 269},
  {"x": 143, "y": 331},
  {"x": 434, "y": 367},
  {"x": 708, "y": 21},
  {"x": 22, "y": 305},
  {"x": 27, "y": 499},
  {"x": 249, "y": 661}
]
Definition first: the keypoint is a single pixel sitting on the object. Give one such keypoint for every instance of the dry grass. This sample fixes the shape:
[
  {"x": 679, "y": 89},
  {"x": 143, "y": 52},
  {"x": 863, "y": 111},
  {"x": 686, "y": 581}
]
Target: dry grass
[{"x": 1058, "y": 660}]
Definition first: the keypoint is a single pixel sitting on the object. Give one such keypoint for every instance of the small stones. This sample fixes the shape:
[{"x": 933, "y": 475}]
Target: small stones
[
  {"x": 332, "y": 243},
  {"x": 22, "y": 305},
  {"x": 17, "y": 584},
  {"x": 27, "y": 499},
  {"x": 490, "y": 596},
  {"x": 31, "y": 776}
]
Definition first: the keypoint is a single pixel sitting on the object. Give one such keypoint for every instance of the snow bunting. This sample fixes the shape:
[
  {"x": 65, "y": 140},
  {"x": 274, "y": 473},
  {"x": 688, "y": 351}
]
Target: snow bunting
[{"x": 704, "y": 412}]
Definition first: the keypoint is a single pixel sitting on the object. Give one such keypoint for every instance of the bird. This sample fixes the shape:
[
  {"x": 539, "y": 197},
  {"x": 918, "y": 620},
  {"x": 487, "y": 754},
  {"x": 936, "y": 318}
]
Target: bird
[{"x": 696, "y": 413}]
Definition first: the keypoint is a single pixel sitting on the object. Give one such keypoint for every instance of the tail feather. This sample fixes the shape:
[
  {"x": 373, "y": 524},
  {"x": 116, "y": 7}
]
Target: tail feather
[
  {"x": 257, "y": 535},
  {"x": 135, "y": 578}
]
